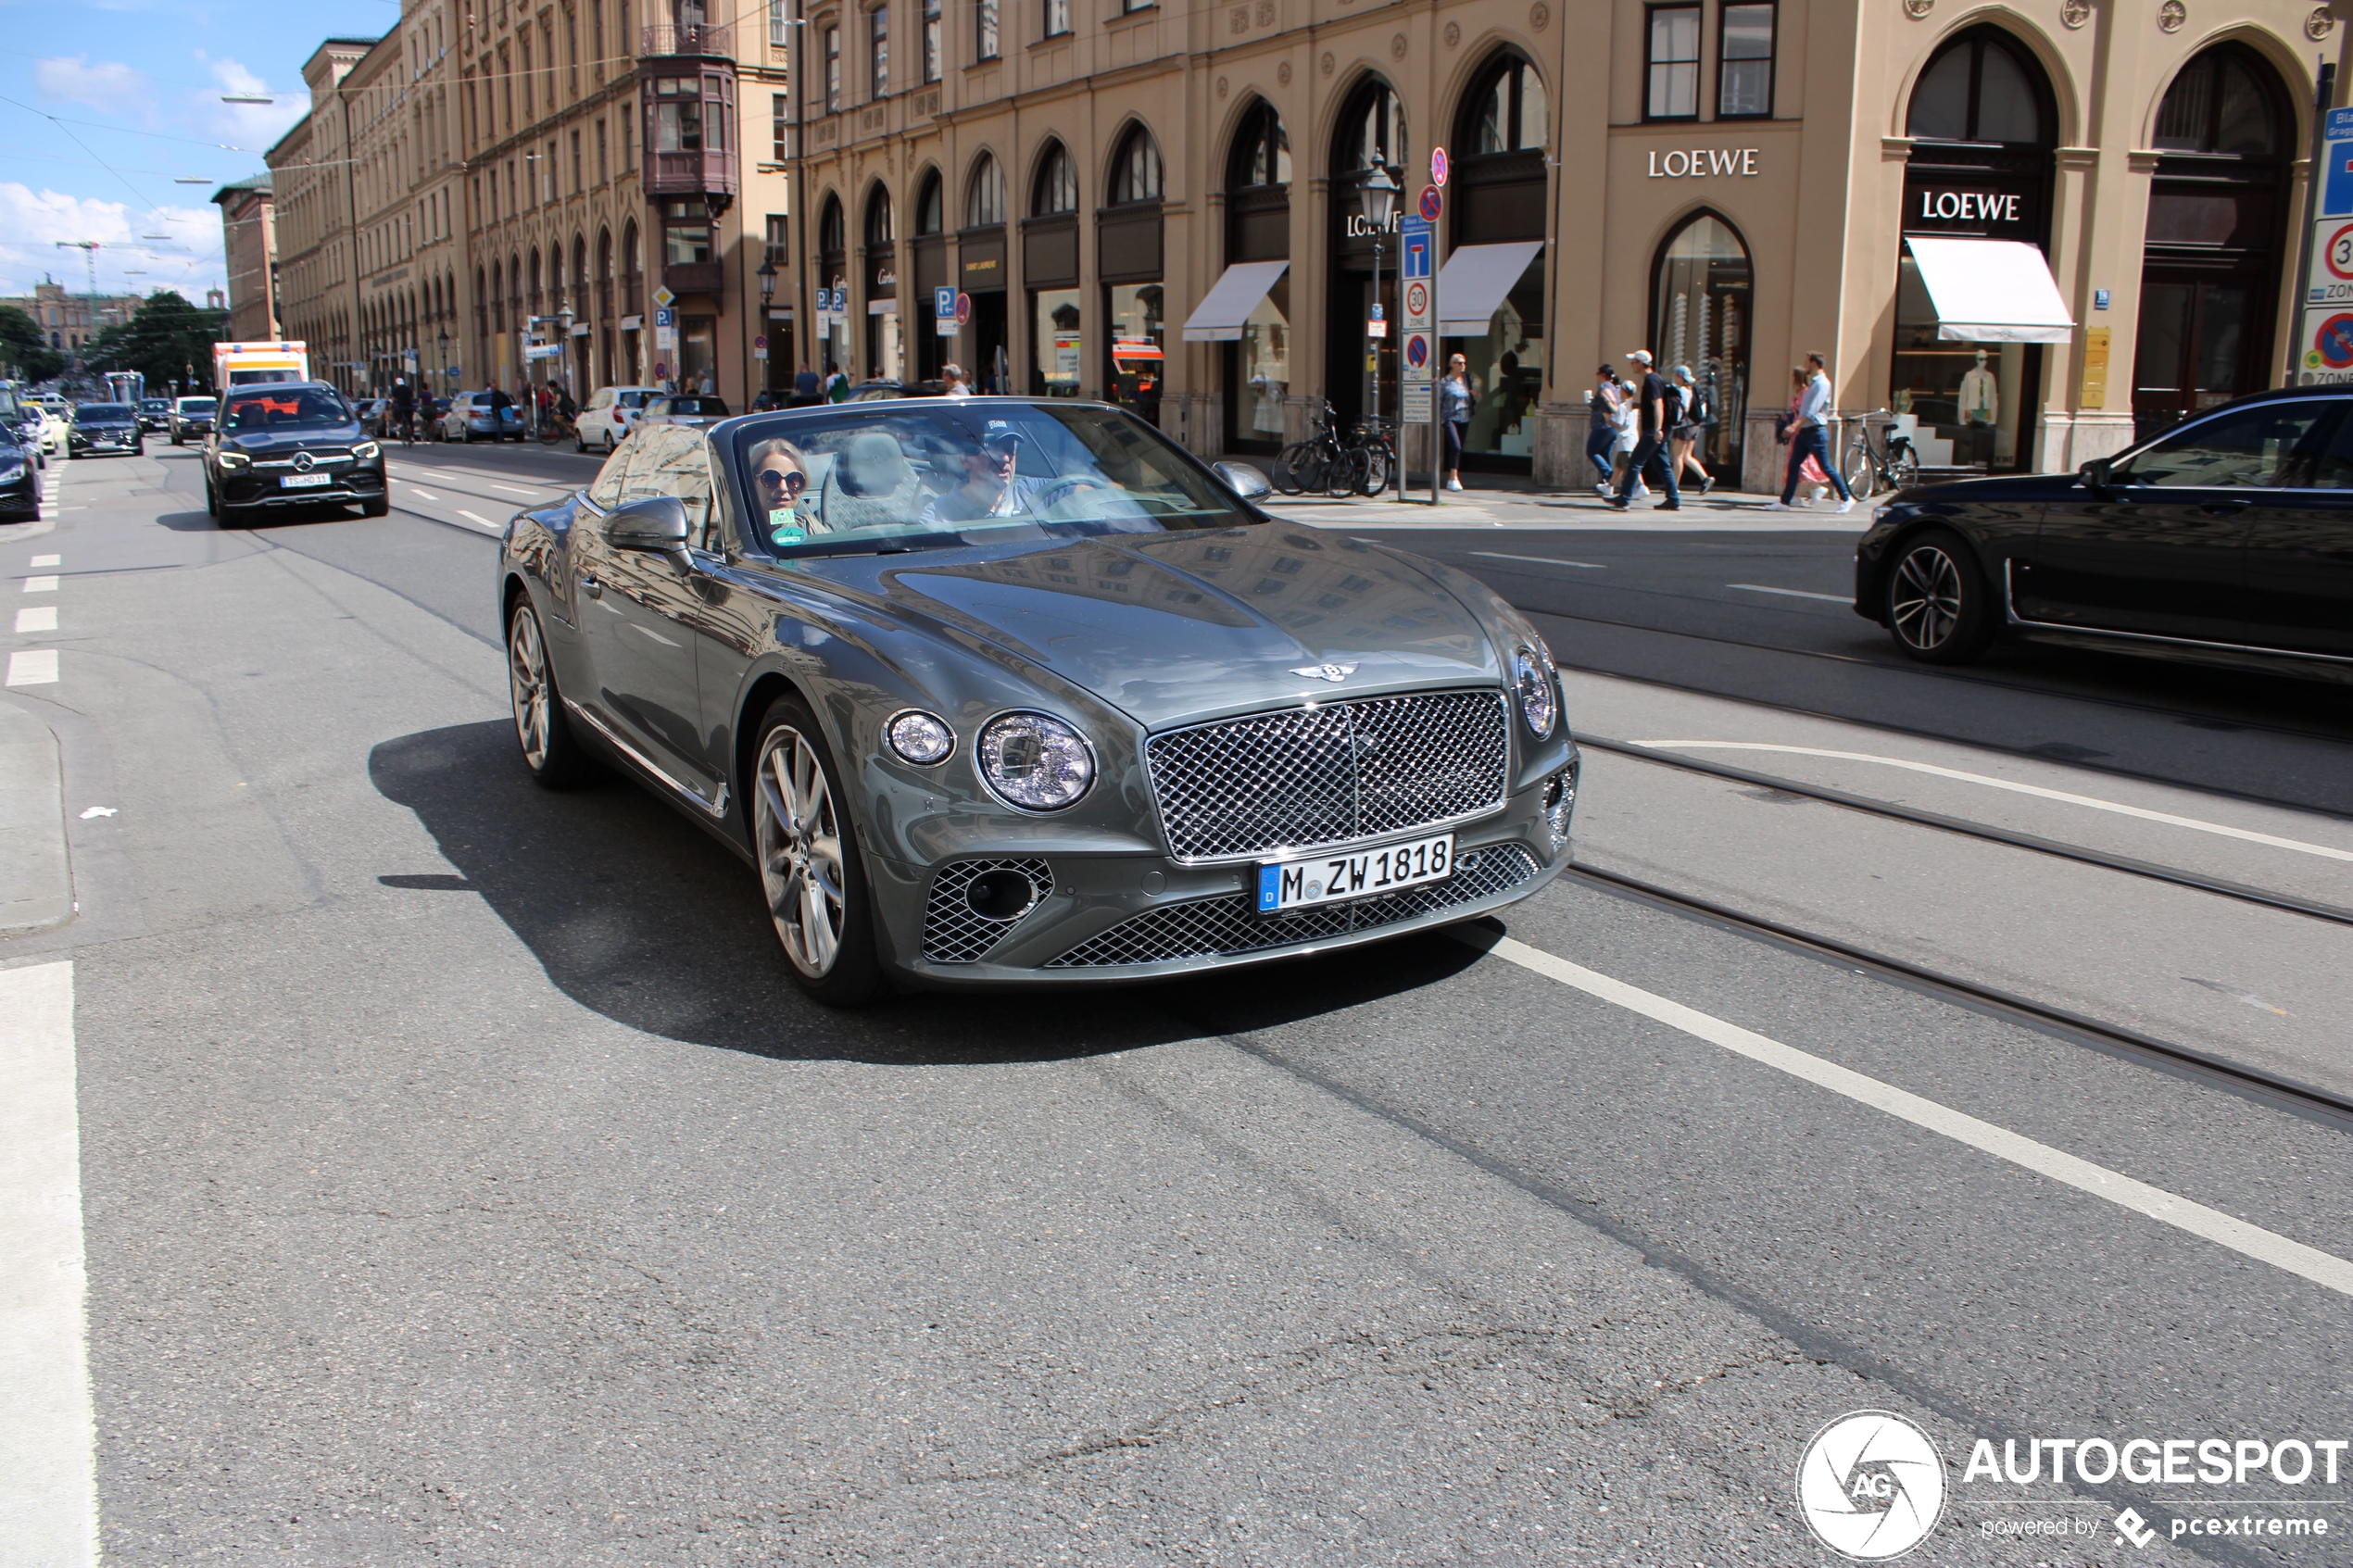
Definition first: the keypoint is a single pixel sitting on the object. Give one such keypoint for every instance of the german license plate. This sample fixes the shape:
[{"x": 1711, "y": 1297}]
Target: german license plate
[
  {"x": 307, "y": 481},
  {"x": 1355, "y": 873}
]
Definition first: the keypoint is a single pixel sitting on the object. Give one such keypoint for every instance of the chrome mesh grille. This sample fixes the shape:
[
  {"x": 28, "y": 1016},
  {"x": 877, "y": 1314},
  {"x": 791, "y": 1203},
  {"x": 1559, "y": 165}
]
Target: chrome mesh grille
[
  {"x": 956, "y": 932},
  {"x": 1309, "y": 776},
  {"x": 1214, "y": 927}
]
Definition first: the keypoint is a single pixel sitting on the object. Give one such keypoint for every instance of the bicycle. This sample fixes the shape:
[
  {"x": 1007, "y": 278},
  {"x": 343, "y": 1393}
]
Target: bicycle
[
  {"x": 404, "y": 425},
  {"x": 1373, "y": 449},
  {"x": 1319, "y": 463},
  {"x": 1893, "y": 464},
  {"x": 556, "y": 427}
]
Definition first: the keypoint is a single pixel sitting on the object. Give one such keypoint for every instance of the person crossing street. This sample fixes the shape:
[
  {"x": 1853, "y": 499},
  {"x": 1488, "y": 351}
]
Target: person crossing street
[
  {"x": 1649, "y": 437},
  {"x": 1810, "y": 436}
]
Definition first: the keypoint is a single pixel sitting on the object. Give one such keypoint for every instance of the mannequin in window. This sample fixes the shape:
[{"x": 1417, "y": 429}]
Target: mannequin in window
[{"x": 1981, "y": 402}]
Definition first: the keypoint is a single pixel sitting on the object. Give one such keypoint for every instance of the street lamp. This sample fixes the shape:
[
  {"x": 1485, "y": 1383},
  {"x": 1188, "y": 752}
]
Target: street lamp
[
  {"x": 767, "y": 275},
  {"x": 1376, "y": 198},
  {"x": 441, "y": 355}
]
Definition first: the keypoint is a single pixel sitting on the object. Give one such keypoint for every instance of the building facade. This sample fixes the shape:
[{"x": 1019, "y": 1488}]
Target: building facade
[
  {"x": 249, "y": 247},
  {"x": 313, "y": 180},
  {"x": 69, "y": 321},
  {"x": 408, "y": 302}
]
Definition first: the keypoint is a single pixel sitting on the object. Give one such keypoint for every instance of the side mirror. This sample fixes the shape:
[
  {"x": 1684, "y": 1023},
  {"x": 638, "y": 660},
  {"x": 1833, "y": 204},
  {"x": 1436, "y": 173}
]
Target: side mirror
[
  {"x": 657, "y": 524},
  {"x": 1244, "y": 480},
  {"x": 2095, "y": 476}
]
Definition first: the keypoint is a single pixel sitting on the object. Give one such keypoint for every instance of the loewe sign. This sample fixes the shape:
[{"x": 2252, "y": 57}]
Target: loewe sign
[
  {"x": 1979, "y": 206},
  {"x": 1700, "y": 162}
]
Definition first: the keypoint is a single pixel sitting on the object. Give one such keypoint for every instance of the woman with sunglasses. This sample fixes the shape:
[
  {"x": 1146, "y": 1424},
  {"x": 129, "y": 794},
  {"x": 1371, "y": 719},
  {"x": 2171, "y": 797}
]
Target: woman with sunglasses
[{"x": 780, "y": 474}]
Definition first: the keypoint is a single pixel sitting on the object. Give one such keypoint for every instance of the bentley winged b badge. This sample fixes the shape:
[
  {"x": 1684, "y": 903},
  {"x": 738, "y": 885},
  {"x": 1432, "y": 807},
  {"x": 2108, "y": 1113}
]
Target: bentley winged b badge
[{"x": 1332, "y": 672}]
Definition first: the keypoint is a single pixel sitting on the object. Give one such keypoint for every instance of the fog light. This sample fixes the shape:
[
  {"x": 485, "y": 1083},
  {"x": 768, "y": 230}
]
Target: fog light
[
  {"x": 1000, "y": 895},
  {"x": 1560, "y": 803}
]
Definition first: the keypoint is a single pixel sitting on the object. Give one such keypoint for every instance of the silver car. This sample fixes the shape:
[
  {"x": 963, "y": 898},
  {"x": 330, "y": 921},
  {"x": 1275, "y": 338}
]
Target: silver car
[
  {"x": 1017, "y": 692},
  {"x": 693, "y": 411}
]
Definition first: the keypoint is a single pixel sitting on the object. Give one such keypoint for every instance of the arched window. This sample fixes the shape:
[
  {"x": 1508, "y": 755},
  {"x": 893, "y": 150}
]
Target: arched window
[
  {"x": 1981, "y": 87},
  {"x": 930, "y": 214},
  {"x": 531, "y": 295},
  {"x": 1700, "y": 302},
  {"x": 878, "y": 229},
  {"x": 580, "y": 274},
  {"x": 833, "y": 231},
  {"x": 2223, "y": 102},
  {"x": 1372, "y": 130},
  {"x": 1135, "y": 168},
  {"x": 497, "y": 299},
  {"x": 984, "y": 198},
  {"x": 1262, "y": 151},
  {"x": 1057, "y": 184},
  {"x": 1507, "y": 110}
]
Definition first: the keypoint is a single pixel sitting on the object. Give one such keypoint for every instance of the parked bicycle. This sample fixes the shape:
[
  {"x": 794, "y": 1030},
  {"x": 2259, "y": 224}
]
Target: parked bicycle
[
  {"x": 1372, "y": 447},
  {"x": 1889, "y": 464},
  {"x": 1319, "y": 464}
]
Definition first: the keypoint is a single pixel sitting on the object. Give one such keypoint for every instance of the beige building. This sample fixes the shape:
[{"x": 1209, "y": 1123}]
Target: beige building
[
  {"x": 1162, "y": 205},
  {"x": 249, "y": 245},
  {"x": 396, "y": 102},
  {"x": 68, "y": 321},
  {"x": 311, "y": 181}
]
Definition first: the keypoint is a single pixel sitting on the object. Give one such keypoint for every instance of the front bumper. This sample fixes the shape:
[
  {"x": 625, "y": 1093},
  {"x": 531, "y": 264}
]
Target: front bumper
[
  {"x": 345, "y": 487},
  {"x": 1134, "y": 918}
]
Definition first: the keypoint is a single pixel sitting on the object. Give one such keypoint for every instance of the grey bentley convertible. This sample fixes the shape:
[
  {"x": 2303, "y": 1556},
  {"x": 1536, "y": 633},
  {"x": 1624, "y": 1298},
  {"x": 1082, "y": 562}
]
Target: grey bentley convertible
[{"x": 1000, "y": 692}]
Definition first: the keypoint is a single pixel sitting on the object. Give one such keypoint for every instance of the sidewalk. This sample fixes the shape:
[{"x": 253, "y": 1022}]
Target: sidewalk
[{"x": 1479, "y": 506}]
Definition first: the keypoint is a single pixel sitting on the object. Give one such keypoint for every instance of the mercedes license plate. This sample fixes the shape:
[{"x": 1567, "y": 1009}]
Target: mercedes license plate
[
  {"x": 307, "y": 481},
  {"x": 1354, "y": 873}
]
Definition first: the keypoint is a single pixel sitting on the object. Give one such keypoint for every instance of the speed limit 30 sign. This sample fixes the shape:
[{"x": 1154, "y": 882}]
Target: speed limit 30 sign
[{"x": 2337, "y": 255}]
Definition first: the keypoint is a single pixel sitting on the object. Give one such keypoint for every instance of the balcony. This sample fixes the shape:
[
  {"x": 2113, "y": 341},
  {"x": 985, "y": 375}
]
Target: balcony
[
  {"x": 693, "y": 277},
  {"x": 695, "y": 38},
  {"x": 709, "y": 172}
]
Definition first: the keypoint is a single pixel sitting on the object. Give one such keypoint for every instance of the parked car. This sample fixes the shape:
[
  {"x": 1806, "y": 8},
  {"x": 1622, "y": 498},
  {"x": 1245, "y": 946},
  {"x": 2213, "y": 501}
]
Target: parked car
[
  {"x": 829, "y": 645},
  {"x": 691, "y": 409},
  {"x": 154, "y": 413},
  {"x": 2226, "y": 540},
  {"x": 192, "y": 417},
  {"x": 56, "y": 426},
  {"x": 19, "y": 478},
  {"x": 106, "y": 429},
  {"x": 291, "y": 443},
  {"x": 605, "y": 417},
  {"x": 471, "y": 418},
  {"x": 26, "y": 427}
]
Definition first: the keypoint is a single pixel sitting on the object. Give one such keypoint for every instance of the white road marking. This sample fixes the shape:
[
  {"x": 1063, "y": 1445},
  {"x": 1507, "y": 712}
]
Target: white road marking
[
  {"x": 2038, "y": 790},
  {"x": 518, "y": 489},
  {"x": 483, "y": 520},
  {"x": 40, "y": 585},
  {"x": 48, "y": 1430},
  {"x": 1794, "y": 593},
  {"x": 1542, "y": 560},
  {"x": 2211, "y": 1225},
  {"x": 48, "y": 561},
  {"x": 37, "y": 618},
  {"x": 32, "y": 667},
  {"x": 99, "y": 812}
]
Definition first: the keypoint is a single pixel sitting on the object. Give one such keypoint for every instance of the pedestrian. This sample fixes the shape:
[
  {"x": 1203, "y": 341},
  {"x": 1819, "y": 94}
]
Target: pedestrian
[
  {"x": 959, "y": 380},
  {"x": 1623, "y": 438},
  {"x": 1600, "y": 427},
  {"x": 837, "y": 387},
  {"x": 804, "y": 387},
  {"x": 1454, "y": 411},
  {"x": 1810, "y": 436},
  {"x": 1684, "y": 434},
  {"x": 1650, "y": 405}
]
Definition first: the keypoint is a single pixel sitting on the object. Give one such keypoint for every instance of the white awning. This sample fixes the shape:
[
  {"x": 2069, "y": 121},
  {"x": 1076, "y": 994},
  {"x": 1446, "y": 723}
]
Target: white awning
[
  {"x": 1990, "y": 291},
  {"x": 1472, "y": 285},
  {"x": 1219, "y": 317}
]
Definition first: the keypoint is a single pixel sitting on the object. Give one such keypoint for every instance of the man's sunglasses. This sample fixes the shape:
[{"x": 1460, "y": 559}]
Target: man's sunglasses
[{"x": 791, "y": 483}]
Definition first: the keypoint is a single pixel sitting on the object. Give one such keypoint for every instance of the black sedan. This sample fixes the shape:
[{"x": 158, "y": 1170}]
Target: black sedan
[
  {"x": 291, "y": 443},
  {"x": 106, "y": 429},
  {"x": 192, "y": 418},
  {"x": 154, "y": 413},
  {"x": 19, "y": 478},
  {"x": 2227, "y": 540}
]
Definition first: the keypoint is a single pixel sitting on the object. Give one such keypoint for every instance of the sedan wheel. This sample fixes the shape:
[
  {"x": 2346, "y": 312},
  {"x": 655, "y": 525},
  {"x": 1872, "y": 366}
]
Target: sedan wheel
[
  {"x": 549, "y": 750},
  {"x": 809, "y": 862},
  {"x": 1936, "y": 604}
]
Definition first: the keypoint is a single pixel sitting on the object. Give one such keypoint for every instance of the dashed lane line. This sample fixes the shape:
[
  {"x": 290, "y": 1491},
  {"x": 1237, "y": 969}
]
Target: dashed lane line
[
  {"x": 2209, "y": 1224},
  {"x": 423, "y": 495},
  {"x": 2093, "y": 802},
  {"x": 41, "y": 585},
  {"x": 48, "y": 561},
  {"x": 32, "y": 667},
  {"x": 1542, "y": 560},
  {"x": 37, "y": 618},
  {"x": 49, "y": 1429},
  {"x": 484, "y": 521},
  {"x": 1793, "y": 592}
]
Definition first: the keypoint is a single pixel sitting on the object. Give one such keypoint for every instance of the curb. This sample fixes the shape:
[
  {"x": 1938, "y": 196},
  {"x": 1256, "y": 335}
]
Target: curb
[{"x": 36, "y": 880}]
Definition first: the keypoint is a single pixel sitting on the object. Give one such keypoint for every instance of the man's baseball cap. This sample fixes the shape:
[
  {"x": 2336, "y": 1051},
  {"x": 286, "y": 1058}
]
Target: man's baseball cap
[
  {"x": 999, "y": 435},
  {"x": 1639, "y": 356}
]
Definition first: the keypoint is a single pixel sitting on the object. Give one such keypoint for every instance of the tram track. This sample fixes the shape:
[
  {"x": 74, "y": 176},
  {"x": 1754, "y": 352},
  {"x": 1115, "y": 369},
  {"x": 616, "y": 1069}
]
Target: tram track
[{"x": 2057, "y": 848}]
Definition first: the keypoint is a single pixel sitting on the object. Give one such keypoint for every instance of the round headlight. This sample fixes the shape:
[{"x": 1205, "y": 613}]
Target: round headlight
[
  {"x": 1532, "y": 679},
  {"x": 920, "y": 737},
  {"x": 1035, "y": 761}
]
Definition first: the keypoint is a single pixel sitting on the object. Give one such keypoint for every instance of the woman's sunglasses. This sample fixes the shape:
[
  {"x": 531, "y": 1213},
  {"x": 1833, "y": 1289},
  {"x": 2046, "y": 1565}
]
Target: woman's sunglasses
[{"x": 791, "y": 483}]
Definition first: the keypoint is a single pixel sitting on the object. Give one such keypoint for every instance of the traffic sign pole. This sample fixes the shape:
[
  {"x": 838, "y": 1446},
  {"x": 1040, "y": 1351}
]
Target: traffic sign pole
[{"x": 1421, "y": 349}]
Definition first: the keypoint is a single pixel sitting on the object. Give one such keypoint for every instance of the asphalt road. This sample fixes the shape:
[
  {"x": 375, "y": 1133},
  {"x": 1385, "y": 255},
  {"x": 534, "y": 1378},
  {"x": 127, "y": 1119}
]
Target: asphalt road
[{"x": 460, "y": 1179}]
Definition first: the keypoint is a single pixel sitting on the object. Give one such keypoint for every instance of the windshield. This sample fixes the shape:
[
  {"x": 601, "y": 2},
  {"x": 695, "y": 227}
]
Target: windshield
[
  {"x": 102, "y": 413},
  {"x": 197, "y": 405},
  {"x": 967, "y": 474},
  {"x": 631, "y": 399},
  {"x": 714, "y": 406},
  {"x": 155, "y": 405},
  {"x": 293, "y": 407}
]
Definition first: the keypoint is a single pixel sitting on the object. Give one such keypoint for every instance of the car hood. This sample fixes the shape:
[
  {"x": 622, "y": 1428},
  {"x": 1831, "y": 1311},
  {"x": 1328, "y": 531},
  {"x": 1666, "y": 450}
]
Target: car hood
[
  {"x": 1175, "y": 627},
  {"x": 262, "y": 443},
  {"x": 105, "y": 424}
]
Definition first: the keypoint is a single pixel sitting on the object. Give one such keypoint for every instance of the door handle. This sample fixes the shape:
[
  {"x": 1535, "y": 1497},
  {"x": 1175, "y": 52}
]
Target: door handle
[
  {"x": 2224, "y": 508},
  {"x": 595, "y": 589}
]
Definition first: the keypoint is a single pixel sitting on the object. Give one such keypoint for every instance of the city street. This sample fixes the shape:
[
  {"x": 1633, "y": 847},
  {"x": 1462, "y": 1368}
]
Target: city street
[{"x": 461, "y": 1177}]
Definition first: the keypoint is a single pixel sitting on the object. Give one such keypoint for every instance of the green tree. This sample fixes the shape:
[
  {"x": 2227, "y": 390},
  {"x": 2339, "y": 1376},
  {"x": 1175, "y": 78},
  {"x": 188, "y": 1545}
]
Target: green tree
[
  {"x": 23, "y": 348},
  {"x": 166, "y": 336}
]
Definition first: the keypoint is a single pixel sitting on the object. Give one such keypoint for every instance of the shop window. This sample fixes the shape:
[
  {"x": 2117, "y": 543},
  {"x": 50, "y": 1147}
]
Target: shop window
[
  {"x": 985, "y": 201},
  {"x": 1512, "y": 112},
  {"x": 1056, "y": 344},
  {"x": 1744, "y": 63},
  {"x": 878, "y": 52},
  {"x": 1700, "y": 304},
  {"x": 931, "y": 40},
  {"x": 1673, "y": 66},
  {"x": 833, "y": 69},
  {"x": 985, "y": 29},
  {"x": 2216, "y": 106},
  {"x": 1978, "y": 89},
  {"x": 882, "y": 289},
  {"x": 1137, "y": 346},
  {"x": 1057, "y": 184}
]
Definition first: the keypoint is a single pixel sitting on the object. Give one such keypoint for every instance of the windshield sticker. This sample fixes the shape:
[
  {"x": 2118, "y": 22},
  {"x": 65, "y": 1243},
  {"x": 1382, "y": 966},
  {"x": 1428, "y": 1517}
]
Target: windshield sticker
[{"x": 783, "y": 527}]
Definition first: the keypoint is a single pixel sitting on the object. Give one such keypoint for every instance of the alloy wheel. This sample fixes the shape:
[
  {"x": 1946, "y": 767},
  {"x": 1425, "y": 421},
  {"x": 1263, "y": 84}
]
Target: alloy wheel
[
  {"x": 527, "y": 679},
  {"x": 1924, "y": 599},
  {"x": 801, "y": 851}
]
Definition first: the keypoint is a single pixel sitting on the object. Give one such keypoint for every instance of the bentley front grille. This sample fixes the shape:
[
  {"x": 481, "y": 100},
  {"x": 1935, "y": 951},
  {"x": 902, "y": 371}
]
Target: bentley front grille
[
  {"x": 1330, "y": 772},
  {"x": 1218, "y": 927},
  {"x": 954, "y": 931}
]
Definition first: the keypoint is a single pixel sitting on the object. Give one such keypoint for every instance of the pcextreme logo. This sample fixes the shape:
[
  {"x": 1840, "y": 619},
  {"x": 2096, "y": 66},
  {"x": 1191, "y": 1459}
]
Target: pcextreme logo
[{"x": 1871, "y": 1485}]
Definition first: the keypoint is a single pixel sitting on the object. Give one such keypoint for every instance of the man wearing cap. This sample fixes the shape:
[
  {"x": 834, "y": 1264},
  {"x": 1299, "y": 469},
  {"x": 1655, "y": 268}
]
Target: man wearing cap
[
  {"x": 1651, "y": 436},
  {"x": 992, "y": 488}
]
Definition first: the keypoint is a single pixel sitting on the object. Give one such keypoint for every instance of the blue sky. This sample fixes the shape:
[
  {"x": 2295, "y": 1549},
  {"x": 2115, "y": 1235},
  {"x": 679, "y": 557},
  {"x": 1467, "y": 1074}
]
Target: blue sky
[{"x": 104, "y": 103}]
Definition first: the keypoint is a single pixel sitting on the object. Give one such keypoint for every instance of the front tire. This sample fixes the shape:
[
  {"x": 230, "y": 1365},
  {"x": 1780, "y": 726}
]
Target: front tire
[
  {"x": 550, "y": 748},
  {"x": 211, "y": 497},
  {"x": 1939, "y": 607},
  {"x": 811, "y": 870}
]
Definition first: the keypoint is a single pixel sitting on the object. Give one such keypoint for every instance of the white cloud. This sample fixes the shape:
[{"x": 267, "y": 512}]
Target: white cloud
[
  {"x": 109, "y": 86},
  {"x": 32, "y": 223},
  {"x": 252, "y": 126}
]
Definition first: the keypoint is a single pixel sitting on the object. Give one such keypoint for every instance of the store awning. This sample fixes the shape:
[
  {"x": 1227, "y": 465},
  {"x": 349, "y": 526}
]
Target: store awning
[
  {"x": 1990, "y": 291},
  {"x": 1219, "y": 317},
  {"x": 1472, "y": 285}
]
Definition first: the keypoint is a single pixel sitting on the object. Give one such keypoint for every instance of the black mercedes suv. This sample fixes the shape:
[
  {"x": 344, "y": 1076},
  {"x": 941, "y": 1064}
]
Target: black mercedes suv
[{"x": 290, "y": 443}]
